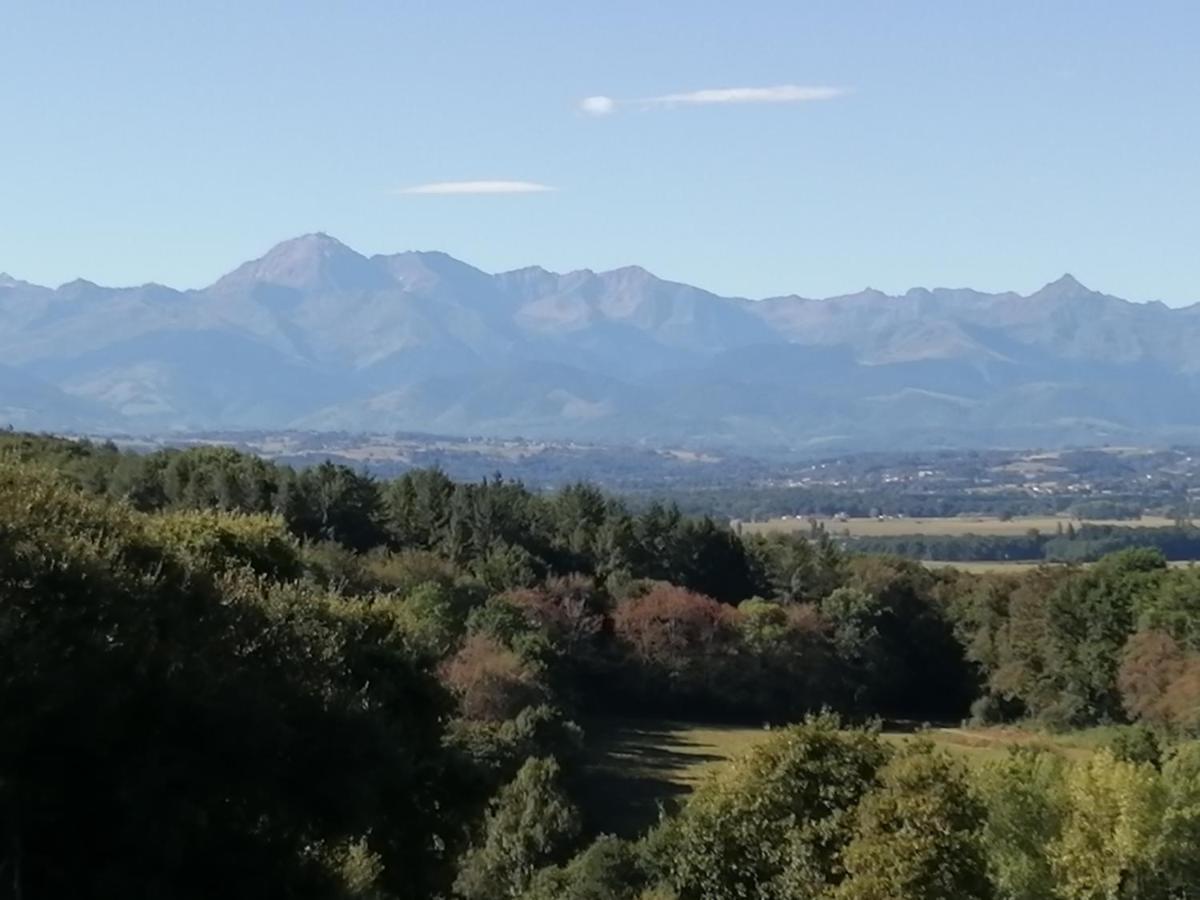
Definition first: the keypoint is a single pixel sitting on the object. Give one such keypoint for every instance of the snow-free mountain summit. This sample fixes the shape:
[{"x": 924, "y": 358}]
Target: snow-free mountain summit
[{"x": 315, "y": 335}]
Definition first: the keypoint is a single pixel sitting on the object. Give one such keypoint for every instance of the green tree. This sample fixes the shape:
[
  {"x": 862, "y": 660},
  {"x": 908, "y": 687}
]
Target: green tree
[
  {"x": 1025, "y": 797},
  {"x": 416, "y": 509},
  {"x": 528, "y": 825},
  {"x": 222, "y": 541},
  {"x": 773, "y": 823},
  {"x": 150, "y": 708},
  {"x": 1180, "y": 863},
  {"x": 432, "y": 616},
  {"x": 919, "y": 835},
  {"x": 1089, "y": 619},
  {"x": 609, "y": 869},
  {"x": 787, "y": 665},
  {"x": 1110, "y": 844},
  {"x": 333, "y": 502}
]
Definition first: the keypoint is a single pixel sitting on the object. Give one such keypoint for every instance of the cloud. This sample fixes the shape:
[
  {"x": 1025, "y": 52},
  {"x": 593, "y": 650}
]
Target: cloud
[
  {"x": 478, "y": 187},
  {"x": 597, "y": 106},
  {"x": 780, "y": 93}
]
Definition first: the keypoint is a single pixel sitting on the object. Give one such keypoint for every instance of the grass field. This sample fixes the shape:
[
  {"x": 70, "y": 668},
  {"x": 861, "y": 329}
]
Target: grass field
[
  {"x": 637, "y": 766},
  {"x": 945, "y": 527}
]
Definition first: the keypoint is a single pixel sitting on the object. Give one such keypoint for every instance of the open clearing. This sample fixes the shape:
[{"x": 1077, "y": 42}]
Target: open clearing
[
  {"x": 636, "y": 766},
  {"x": 945, "y": 527}
]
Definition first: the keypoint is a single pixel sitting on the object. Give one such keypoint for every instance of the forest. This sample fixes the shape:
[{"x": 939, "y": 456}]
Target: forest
[
  {"x": 226, "y": 677},
  {"x": 1071, "y": 543}
]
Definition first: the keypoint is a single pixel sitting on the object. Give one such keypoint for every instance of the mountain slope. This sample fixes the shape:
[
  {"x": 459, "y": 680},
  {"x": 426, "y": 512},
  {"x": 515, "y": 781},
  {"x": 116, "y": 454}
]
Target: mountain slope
[{"x": 314, "y": 334}]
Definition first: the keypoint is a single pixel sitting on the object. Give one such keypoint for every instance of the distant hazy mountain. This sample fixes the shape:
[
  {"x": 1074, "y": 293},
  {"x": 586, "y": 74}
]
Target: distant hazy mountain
[{"x": 314, "y": 335}]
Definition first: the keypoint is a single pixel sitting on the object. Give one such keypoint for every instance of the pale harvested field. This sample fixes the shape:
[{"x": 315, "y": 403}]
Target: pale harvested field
[{"x": 944, "y": 527}]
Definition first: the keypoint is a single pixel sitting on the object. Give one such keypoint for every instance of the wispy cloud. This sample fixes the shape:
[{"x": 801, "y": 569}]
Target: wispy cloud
[
  {"x": 478, "y": 187},
  {"x": 780, "y": 93},
  {"x": 597, "y": 106}
]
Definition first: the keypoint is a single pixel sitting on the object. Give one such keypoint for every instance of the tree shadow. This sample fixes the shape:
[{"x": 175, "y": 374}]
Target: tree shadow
[{"x": 635, "y": 772}]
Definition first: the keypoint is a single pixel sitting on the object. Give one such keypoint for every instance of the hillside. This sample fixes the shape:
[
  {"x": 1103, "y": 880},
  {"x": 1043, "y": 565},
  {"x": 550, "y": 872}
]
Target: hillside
[{"x": 315, "y": 335}]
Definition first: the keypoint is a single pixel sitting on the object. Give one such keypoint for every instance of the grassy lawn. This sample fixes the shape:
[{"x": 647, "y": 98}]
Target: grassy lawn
[{"x": 637, "y": 766}]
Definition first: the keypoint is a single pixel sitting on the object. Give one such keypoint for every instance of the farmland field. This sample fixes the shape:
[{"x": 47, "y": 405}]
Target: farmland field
[
  {"x": 636, "y": 766},
  {"x": 944, "y": 527}
]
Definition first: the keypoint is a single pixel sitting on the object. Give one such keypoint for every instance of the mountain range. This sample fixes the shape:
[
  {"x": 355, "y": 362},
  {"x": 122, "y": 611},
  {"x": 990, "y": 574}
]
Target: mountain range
[{"x": 316, "y": 336}]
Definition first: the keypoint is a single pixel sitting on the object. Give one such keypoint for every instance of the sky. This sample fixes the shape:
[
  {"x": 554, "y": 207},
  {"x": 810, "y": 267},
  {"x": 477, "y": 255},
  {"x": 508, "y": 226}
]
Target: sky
[{"x": 751, "y": 148}]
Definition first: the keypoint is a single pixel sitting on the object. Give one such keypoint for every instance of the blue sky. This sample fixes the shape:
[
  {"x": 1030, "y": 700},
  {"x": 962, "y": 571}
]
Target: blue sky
[{"x": 990, "y": 144}]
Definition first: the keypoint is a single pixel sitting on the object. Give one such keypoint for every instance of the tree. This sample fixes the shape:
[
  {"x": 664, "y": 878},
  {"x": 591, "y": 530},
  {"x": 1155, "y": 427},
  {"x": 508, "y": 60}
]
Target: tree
[
  {"x": 919, "y": 835},
  {"x": 1173, "y": 607},
  {"x": 332, "y": 502},
  {"x": 528, "y": 825},
  {"x": 416, "y": 509},
  {"x": 787, "y": 666},
  {"x": 710, "y": 559},
  {"x": 919, "y": 667},
  {"x": 609, "y": 869},
  {"x": 220, "y": 542},
  {"x": 855, "y": 619},
  {"x": 578, "y": 513},
  {"x": 1137, "y": 744},
  {"x": 1110, "y": 842},
  {"x": 432, "y": 618},
  {"x": 1180, "y": 863},
  {"x": 150, "y": 706},
  {"x": 1088, "y": 621},
  {"x": 773, "y": 823},
  {"x": 492, "y": 682},
  {"x": 569, "y": 610},
  {"x": 1159, "y": 681},
  {"x": 1025, "y": 797},
  {"x": 795, "y": 568},
  {"x": 682, "y": 641}
]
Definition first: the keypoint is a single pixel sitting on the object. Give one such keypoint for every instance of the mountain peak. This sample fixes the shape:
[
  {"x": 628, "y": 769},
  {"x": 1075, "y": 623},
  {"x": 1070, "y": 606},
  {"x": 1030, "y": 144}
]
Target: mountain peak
[
  {"x": 529, "y": 270},
  {"x": 636, "y": 272},
  {"x": 1065, "y": 287},
  {"x": 312, "y": 261},
  {"x": 77, "y": 285},
  {"x": 314, "y": 244},
  {"x": 422, "y": 268}
]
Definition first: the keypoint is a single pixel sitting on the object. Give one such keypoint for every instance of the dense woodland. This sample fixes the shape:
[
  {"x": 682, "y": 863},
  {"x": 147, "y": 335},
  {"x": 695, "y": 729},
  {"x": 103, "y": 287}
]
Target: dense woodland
[
  {"x": 1069, "y": 543},
  {"x": 223, "y": 677}
]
